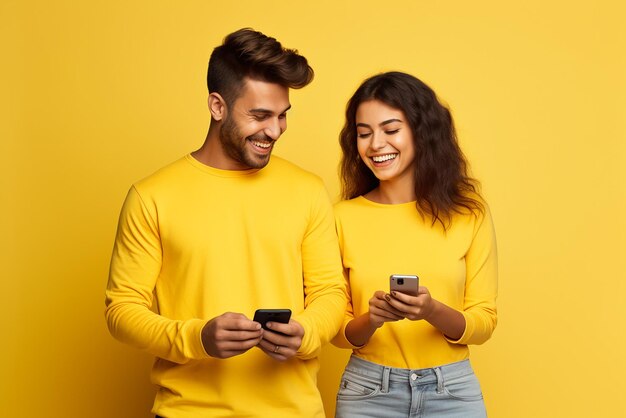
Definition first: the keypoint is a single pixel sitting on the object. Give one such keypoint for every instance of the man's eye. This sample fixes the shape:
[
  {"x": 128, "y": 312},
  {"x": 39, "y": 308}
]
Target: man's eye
[
  {"x": 283, "y": 116},
  {"x": 260, "y": 117}
]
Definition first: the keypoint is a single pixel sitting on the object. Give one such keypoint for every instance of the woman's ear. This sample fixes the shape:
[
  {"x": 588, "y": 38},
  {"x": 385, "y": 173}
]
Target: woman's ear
[{"x": 217, "y": 106}]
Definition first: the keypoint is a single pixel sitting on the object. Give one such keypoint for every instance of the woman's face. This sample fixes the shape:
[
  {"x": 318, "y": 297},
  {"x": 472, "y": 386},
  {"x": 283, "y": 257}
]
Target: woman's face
[{"x": 385, "y": 142}]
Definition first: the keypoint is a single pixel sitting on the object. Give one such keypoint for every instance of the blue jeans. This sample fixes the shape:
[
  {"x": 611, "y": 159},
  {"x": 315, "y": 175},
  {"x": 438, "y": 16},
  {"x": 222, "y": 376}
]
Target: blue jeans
[{"x": 371, "y": 390}]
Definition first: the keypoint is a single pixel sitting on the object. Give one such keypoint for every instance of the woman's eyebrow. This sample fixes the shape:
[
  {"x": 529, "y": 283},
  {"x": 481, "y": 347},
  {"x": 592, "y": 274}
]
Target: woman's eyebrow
[
  {"x": 383, "y": 123},
  {"x": 387, "y": 122}
]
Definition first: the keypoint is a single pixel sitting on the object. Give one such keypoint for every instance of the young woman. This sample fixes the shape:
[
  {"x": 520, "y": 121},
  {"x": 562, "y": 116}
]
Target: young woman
[{"x": 411, "y": 208}]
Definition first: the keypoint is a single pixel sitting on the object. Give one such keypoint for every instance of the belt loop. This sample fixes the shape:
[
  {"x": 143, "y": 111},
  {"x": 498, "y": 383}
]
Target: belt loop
[
  {"x": 385, "y": 382},
  {"x": 439, "y": 379}
]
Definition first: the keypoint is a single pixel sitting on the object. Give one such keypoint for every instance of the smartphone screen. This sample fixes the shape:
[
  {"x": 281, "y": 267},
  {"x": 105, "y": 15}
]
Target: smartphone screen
[{"x": 405, "y": 283}]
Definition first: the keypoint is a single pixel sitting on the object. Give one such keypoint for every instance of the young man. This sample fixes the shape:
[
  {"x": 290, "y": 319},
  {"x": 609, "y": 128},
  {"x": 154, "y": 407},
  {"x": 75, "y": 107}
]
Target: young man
[{"x": 220, "y": 233}]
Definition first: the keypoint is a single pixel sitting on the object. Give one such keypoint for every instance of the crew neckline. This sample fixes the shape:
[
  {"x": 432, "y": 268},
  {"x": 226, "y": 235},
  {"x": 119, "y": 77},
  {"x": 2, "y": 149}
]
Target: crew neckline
[
  {"x": 386, "y": 205},
  {"x": 220, "y": 172}
]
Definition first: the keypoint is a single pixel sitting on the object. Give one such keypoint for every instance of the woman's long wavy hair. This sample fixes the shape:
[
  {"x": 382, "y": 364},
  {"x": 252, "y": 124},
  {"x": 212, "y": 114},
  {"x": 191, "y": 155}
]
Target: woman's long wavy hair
[{"x": 442, "y": 183}]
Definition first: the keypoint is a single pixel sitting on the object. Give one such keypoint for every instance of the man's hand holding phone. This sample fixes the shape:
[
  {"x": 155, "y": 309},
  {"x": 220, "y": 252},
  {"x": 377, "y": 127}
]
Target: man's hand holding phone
[
  {"x": 230, "y": 334},
  {"x": 283, "y": 336}
]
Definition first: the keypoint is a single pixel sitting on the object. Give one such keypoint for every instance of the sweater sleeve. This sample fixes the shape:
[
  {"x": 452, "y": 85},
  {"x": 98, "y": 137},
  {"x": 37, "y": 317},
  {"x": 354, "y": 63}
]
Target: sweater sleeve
[
  {"x": 481, "y": 283},
  {"x": 135, "y": 267},
  {"x": 324, "y": 289},
  {"x": 340, "y": 340}
]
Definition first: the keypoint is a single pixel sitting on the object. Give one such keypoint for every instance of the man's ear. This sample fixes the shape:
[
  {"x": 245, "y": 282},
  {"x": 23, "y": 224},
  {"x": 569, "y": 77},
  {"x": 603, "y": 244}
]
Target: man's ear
[{"x": 217, "y": 106}]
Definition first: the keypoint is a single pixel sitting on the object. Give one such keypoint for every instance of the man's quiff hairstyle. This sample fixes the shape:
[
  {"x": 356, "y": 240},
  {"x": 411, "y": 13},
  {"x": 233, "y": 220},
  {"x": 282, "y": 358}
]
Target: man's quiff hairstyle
[{"x": 248, "y": 53}]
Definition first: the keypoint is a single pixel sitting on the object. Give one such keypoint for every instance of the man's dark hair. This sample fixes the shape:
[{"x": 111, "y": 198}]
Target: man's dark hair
[{"x": 248, "y": 53}]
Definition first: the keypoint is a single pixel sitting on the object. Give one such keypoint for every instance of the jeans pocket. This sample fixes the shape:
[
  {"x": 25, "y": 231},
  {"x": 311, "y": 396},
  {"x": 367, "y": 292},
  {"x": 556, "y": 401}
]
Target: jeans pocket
[
  {"x": 354, "y": 388},
  {"x": 464, "y": 388}
]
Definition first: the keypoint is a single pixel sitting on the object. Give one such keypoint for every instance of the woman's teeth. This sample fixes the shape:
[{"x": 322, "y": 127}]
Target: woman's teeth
[{"x": 383, "y": 158}]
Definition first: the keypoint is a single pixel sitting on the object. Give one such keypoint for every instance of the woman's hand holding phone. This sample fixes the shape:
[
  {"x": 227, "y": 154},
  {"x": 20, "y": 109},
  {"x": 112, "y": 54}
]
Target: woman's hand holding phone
[
  {"x": 414, "y": 308},
  {"x": 381, "y": 311},
  {"x": 408, "y": 297}
]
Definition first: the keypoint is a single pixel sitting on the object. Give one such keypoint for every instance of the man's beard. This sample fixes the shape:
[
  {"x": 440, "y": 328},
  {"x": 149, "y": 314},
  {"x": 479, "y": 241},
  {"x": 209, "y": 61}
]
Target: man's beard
[{"x": 235, "y": 147}]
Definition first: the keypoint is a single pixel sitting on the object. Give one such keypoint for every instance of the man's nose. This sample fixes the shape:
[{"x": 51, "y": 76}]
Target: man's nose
[{"x": 274, "y": 129}]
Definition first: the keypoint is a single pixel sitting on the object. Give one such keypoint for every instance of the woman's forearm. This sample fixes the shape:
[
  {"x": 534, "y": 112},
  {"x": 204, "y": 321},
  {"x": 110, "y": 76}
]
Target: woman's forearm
[
  {"x": 447, "y": 320},
  {"x": 360, "y": 330}
]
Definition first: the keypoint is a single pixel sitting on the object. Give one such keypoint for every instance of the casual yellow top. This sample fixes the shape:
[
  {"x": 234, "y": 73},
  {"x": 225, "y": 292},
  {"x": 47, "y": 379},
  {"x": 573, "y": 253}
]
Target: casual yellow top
[
  {"x": 459, "y": 268},
  {"x": 209, "y": 241}
]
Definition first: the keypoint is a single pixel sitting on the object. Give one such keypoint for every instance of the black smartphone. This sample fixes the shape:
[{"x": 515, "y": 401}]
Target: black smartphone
[
  {"x": 405, "y": 283},
  {"x": 263, "y": 316}
]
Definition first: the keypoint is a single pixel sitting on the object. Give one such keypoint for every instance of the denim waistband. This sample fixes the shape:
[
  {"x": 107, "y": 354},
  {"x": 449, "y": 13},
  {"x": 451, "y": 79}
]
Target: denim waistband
[{"x": 384, "y": 375}]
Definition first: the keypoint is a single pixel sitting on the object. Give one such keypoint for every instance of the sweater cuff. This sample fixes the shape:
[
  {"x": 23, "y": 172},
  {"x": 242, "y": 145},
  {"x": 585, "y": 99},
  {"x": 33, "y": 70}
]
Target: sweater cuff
[
  {"x": 310, "y": 347},
  {"x": 196, "y": 348}
]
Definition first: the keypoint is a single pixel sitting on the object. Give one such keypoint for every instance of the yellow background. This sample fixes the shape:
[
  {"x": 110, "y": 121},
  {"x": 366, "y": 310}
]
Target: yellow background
[{"x": 98, "y": 94}]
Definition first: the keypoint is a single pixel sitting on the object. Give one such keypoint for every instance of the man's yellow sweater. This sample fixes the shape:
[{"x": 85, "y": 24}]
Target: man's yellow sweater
[{"x": 206, "y": 241}]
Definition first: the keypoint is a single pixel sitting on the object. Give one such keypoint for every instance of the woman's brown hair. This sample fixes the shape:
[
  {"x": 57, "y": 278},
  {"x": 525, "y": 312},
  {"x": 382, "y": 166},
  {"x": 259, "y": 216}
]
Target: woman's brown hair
[{"x": 442, "y": 183}]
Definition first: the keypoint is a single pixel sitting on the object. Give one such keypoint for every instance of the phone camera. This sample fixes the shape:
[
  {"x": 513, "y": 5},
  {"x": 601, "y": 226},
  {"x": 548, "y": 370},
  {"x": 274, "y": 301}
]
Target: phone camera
[{"x": 400, "y": 281}]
